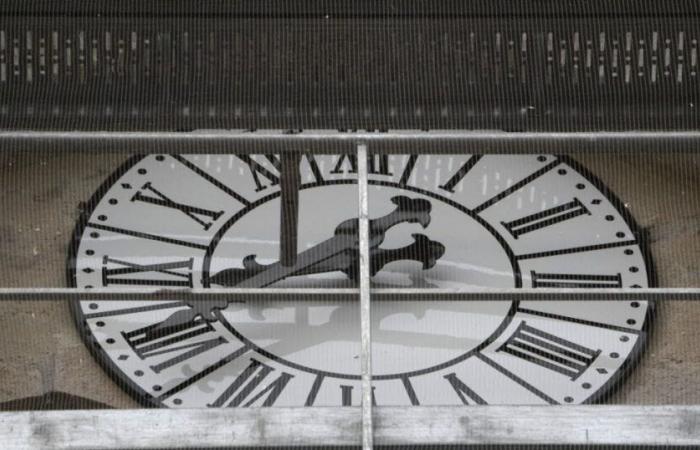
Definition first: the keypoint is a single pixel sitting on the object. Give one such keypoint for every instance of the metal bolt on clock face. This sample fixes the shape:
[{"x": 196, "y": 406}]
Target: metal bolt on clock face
[{"x": 437, "y": 221}]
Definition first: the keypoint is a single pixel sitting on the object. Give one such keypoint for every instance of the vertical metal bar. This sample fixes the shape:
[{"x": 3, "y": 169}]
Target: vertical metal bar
[
  {"x": 366, "y": 359},
  {"x": 289, "y": 207}
]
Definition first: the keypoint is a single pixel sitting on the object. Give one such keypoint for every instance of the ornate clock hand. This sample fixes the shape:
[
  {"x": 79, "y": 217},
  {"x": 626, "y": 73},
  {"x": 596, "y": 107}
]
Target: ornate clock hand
[
  {"x": 254, "y": 275},
  {"x": 411, "y": 210},
  {"x": 345, "y": 241},
  {"x": 422, "y": 250},
  {"x": 259, "y": 278}
]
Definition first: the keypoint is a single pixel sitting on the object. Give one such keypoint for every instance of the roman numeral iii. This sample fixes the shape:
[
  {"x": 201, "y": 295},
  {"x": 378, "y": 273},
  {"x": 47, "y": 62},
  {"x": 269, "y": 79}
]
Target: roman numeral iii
[
  {"x": 545, "y": 218},
  {"x": 549, "y": 351}
]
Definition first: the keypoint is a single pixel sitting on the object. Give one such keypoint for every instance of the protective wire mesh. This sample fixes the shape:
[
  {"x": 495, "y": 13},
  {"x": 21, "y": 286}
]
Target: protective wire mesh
[
  {"x": 441, "y": 216},
  {"x": 427, "y": 243}
]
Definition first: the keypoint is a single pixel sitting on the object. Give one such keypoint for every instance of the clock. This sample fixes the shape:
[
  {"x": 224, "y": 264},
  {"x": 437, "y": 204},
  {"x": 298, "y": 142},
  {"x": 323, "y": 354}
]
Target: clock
[{"x": 437, "y": 222}]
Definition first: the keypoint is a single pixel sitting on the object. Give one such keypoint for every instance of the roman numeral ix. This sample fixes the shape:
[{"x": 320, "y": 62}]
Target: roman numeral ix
[
  {"x": 449, "y": 186},
  {"x": 176, "y": 273}
]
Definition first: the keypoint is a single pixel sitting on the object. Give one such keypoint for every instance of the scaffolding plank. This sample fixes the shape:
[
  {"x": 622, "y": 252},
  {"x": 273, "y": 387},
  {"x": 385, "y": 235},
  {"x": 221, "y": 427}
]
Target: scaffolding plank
[{"x": 208, "y": 428}]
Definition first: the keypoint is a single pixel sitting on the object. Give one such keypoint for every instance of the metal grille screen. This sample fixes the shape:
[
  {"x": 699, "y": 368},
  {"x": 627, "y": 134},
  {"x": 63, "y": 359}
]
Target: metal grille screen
[{"x": 277, "y": 224}]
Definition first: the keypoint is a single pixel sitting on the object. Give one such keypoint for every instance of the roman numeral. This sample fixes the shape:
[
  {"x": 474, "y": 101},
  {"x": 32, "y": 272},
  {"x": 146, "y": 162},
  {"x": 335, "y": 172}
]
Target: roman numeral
[
  {"x": 516, "y": 187},
  {"x": 315, "y": 170},
  {"x": 259, "y": 171},
  {"x": 574, "y": 280},
  {"x": 570, "y": 250},
  {"x": 408, "y": 170},
  {"x": 410, "y": 391},
  {"x": 211, "y": 179},
  {"x": 377, "y": 164},
  {"x": 265, "y": 178},
  {"x": 156, "y": 340},
  {"x": 524, "y": 384},
  {"x": 177, "y": 273},
  {"x": 590, "y": 323},
  {"x": 545, "y": 218},
  {"x": 240, "y": 391},
  {"x": 195, "y": 213},
  {"x": 465, "y": 393},
  {"x": 351, "y": 159},
  {"x": 204, "y": 373},
  {"x": 141, "y": 235},
  {"x": 549, "y": 351},
  {"x": 346, "y": 395},
  {"x": 313, "y": 393},
  {"x": 460, "y": 174},
  {"x": 134, "y": 310}
]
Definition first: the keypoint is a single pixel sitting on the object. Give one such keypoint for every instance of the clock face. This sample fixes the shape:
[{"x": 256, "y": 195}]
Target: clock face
[{"x": 438, "y": 221}]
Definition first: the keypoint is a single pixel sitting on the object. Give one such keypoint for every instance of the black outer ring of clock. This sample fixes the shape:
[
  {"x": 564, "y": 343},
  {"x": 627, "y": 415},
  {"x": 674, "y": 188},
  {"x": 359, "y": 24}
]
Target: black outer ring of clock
[{"x": 85, "y": 210}]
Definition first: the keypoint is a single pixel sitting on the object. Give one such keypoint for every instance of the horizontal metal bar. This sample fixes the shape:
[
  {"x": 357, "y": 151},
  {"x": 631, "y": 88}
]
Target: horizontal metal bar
[
  {"x": 322, "y": 294},
  {"x": 208, "y": 428},
  {"x": 334, "y": 141},
  {"x": 357, "y": 8}
]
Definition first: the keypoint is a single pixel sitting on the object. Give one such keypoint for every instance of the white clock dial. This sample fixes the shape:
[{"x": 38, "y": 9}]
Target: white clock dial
[{"x": 440, "y": 221}]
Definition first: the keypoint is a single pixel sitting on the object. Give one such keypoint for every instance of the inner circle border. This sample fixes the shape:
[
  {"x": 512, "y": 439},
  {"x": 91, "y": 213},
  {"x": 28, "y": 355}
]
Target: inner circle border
[{"x": 486, "y": 342}]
